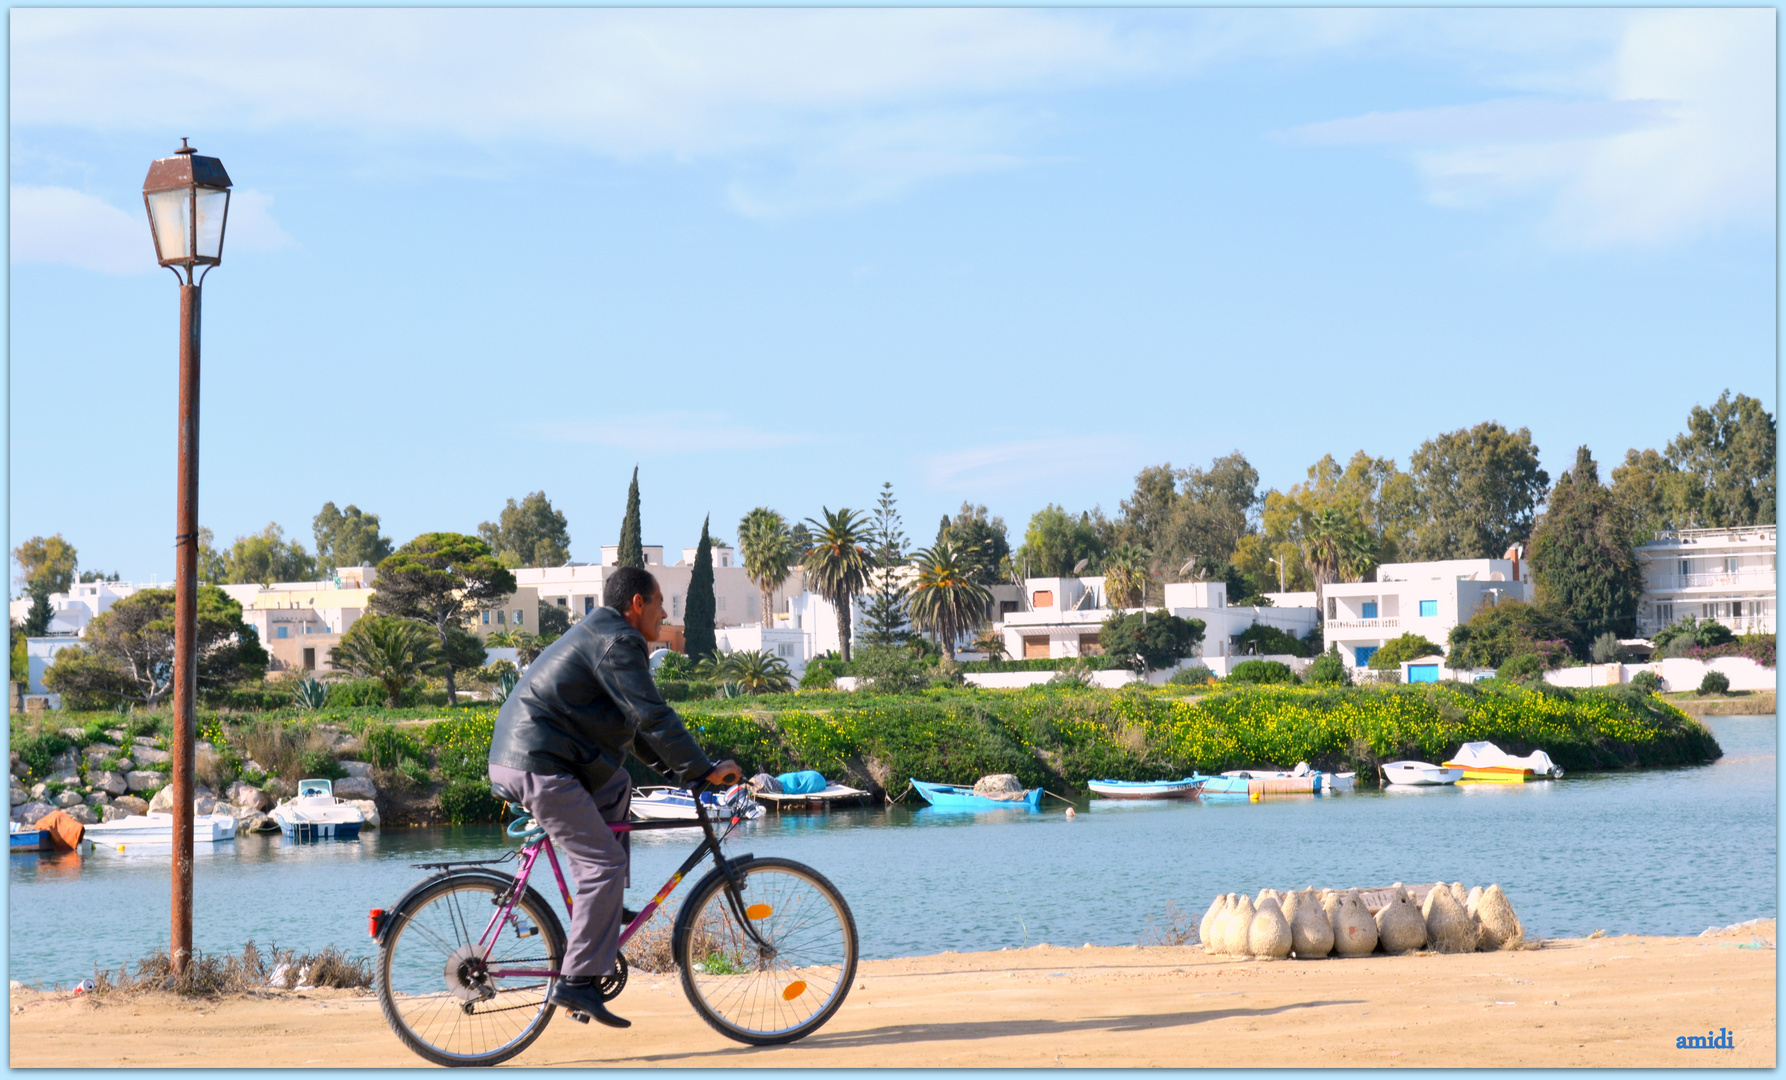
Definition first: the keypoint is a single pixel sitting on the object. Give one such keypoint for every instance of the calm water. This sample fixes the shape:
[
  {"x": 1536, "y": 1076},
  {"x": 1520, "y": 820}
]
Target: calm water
[{"x": 1663, "y": 852}]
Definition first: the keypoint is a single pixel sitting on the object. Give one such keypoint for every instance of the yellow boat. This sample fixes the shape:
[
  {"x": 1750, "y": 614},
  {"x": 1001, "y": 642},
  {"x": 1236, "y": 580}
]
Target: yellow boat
[{"x": 1486, "y": 763}]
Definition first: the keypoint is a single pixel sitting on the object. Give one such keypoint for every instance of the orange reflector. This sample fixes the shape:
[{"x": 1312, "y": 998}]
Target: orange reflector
[
  {"x": 794, "y": 990},
  {"x": 757, "y": 911}
]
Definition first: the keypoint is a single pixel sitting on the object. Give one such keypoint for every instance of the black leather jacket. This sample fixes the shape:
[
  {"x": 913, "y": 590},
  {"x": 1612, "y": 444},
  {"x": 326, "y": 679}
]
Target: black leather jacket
[{"x": 588, "y": 700}]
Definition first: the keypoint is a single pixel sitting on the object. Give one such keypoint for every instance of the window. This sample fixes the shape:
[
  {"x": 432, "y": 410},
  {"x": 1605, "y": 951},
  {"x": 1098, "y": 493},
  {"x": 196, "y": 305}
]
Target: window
[
  {"x": 1089, "y": 645},
  {"x": 1363, "y": 653},
  {"x": 1665, "y": 614},
  {"x": 486, "y": 618},
  {"x": 281, "y": 631},
  {"x": 310, "y": 659},
  {"x": 1035, "y": 648},
  {"x": 518, "y": 615},
  {"x": 564, "y": 601},
  {"x": 1370, "y": 609},
  {"x": 1332, "y": 608},
  {"x": 1730, "y": 564},
  {"x": 719, "y": 603},
  {"x": 676, "y": 604},
  {"x": 1006, "y": 607},
  {"x": 1736, "y": 609},
  {"x": 1686, "y": 567},
  {"x": 1429, "y": 609},
  {"x": 500, "y": 617},
  {"x": 786, "y": 650},
  {"x": 588, "y": 604},
  {"x": 1043, "y": 598}
]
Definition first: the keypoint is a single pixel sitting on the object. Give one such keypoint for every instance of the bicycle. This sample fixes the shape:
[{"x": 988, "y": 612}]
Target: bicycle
[{"x": 766, "y": 947}]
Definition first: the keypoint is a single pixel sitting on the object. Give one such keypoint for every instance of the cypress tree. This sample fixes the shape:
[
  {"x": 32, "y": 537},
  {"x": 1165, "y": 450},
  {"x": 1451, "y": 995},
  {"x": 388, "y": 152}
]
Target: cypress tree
[
  {"x": 1582, "y": 558},
  {"x": 698, "y": 625},
  {"x": 632, "y": 548}
]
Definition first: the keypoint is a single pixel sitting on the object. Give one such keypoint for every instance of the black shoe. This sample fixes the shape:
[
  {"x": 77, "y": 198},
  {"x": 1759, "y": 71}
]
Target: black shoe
[
  {"x": 627, "y": 915},
  {"x": 581, "y": 995}
]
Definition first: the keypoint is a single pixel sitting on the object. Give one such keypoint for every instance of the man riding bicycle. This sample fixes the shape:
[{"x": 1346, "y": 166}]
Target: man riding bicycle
[{"x": 560, "y": 747}]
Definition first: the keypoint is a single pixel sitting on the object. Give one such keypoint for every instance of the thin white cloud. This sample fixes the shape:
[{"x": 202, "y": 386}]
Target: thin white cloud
[
  {"x": 670, "y": 433},
  {"x": 64, "y": 227},
  {"x": 1503, "y": 121},
  {"x": 989, "y": 468}
]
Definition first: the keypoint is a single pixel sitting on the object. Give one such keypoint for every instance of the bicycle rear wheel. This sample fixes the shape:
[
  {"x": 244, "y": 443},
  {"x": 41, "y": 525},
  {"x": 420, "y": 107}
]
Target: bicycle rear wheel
[
  {"x": 443, "y": 996},
  {"x": 785, "y": 987}
]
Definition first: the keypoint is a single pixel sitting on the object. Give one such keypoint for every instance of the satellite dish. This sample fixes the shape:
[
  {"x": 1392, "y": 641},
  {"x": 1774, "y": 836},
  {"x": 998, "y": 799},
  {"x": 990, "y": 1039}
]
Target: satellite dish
[
  {"x": 1186, "y": 568},
  {"x": 1079, "y": 567}
]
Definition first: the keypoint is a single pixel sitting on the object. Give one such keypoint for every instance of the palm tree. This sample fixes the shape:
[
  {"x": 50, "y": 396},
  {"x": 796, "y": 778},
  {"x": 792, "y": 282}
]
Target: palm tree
[
  {"x": 1336, "y": 544},
  {"x": 527, "y": 646},
  {"x": 837, "y": 563},
  {"x": 759, "y": 672},
  {"x": 946, "y": 600},
  {"x": 767, "y": 549},
  {"x": 1125, "y": 577},
  {"x": 393, "y": 651},
  {"x": 992, "y": 644}
]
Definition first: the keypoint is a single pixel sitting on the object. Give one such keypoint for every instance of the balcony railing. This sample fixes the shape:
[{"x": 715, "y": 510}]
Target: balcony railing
[
  {"x": 1760, "y": 579},
  {"x": 1362, "y": 624}
]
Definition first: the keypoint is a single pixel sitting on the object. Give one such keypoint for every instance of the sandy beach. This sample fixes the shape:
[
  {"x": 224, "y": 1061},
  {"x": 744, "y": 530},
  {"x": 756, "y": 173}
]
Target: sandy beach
[{"x": 1609, "y": 1001}]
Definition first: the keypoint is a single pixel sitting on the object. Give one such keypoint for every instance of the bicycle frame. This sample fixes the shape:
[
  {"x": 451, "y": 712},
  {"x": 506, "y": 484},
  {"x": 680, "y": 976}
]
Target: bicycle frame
[{"x": 530, "y": 851}]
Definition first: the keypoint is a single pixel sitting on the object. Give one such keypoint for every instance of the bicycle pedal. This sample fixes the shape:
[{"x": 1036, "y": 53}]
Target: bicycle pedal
[{"x": 580, "y": 1017}]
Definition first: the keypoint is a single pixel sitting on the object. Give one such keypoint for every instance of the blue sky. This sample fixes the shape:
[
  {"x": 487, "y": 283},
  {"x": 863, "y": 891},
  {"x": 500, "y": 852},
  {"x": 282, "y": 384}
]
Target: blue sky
[{"x": 777, "y": 257}]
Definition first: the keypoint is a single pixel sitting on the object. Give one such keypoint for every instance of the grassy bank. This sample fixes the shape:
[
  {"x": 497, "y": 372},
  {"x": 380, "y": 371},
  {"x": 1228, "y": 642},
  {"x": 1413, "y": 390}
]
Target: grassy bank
[
  {"x": 1735, "y": 703},
  {"x": 430, "y": 766}
]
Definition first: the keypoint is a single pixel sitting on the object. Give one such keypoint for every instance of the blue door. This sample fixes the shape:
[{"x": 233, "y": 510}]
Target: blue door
[
  {"x": 1364, "y": 654},
  {"x": 1423, "y": 673},
  {"x": 1370, "y": 609}
]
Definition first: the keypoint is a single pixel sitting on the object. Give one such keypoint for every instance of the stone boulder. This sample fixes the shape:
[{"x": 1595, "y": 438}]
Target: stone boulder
[
  {"x": 125, "y": 764},
  {"x": 109, "y": 782},
  {"x": 31, "y": 811},
  {"x": 148, "y": 755},
  {"x": 83, "y": 814},
  {"x": 40, "y": 790},
  {"x": 66, "y": 762},
  {"x": 249, "y": 797},
  {"x": 356, "y": 768},
  {"x": 163, "y": 802},
  {"x": 71, "y": 732},
  {"x": 143, "y": 780},
  {"x": 67, "y": 799},
  {"x": 253, "y": 766},
  {"x": 19, "y": 795},
  {"x": 279, "y": 789},
  {"x": 113, "y": 812},
  {"x": 143, "y": 740},
  {"x": 115, "y": 734},
  {"x": 19, "y": 768},
  {"x": 258, "y": 823},
  {"x": 204, "y": 804},
  {"x": 369, "y": 808},
  {"x": 131, "y": 804},
  {"x": 100, "y": 751},
  {"x": 98, "y": 798},
  {"x": 356, "y": 787}
]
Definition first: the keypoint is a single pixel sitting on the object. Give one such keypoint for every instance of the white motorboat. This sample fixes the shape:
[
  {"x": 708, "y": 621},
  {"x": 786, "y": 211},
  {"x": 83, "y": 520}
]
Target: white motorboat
[
  {"x": 657, "y": 803},
  {"x": 1489, "y": 763},
  {"x": 1420, "y": 774},
  {"x": 156, "y": 827},
  {"x": 314, "y": 812}
]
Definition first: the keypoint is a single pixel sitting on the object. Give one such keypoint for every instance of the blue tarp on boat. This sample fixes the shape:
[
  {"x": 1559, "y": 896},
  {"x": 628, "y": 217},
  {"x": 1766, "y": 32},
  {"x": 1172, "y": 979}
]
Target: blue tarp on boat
[{"x": 804, "y": 782}]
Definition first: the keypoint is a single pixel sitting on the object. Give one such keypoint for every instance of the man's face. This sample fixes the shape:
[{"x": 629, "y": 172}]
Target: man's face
[{"x": 646, "y": 616}]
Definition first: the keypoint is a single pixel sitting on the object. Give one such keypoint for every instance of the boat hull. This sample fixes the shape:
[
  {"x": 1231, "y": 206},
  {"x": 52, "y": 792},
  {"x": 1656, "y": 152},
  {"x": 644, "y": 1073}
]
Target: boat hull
[
  {"x": 30, "y": 840},
  {"x": 1131, "y": 789},
  {"x": 1420, "y": 774},
  {"x": 950, "y": 797},
  {"x": 320, "y": 830},
  {"x": 159, "y": 829}
]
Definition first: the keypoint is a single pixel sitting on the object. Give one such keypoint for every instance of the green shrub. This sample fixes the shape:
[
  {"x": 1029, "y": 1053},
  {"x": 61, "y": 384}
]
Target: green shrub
[
  {"x": 1409, "y": 646},
  {"x": 362, "y": 693},
  {"x": 892, "y": 670},
  {"x": 1523, "y": 666},
  {"x": 1050, "y": 663},
  {"x": 1647, "y": 681},
  {"x": 1195, "y": 675},
  {"x": 464, "y": 801},
  {"x": 1159, "y": 638},
  {"x": 39, "y": 749},
  {"x": 1271, "y": 641},
  {"x": 384, "y": 746},
  {"x": 1261, "y": 672},
  {"x": 1715, "y": 682},
  {"x": 318, "y": 763},
  {"x": 1328, "y": 670}
]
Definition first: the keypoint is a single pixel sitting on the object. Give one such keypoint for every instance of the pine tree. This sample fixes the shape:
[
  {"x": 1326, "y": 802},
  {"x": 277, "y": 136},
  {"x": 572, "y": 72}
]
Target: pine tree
[
  {"x": 632, "y": 548},
  {"x": 698, "y": 635},
  {"x": 885, "y": 616},
  {"x": 1582, "y": 558}
]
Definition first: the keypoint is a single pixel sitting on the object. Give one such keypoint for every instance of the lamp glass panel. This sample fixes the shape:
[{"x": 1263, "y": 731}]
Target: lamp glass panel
[
  {"x": 213, "y": 208},
  {"x": 168, "y": 211}
]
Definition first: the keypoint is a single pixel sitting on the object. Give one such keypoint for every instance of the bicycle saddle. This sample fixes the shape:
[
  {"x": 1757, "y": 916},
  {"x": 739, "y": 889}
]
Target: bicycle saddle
[{"x": 504, "y": 793}]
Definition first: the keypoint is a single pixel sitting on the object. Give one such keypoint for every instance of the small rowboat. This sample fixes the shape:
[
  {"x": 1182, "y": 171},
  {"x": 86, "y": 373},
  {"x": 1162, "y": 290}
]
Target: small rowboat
[
  {"x": 660, "y": 803},
  {"x": 158, "y": 828},
  {"x": 29, "y": 838},
  {"x": 1257, "y": 783},
  {"x": 1147, "y": 789},
  {"x": 1420, "y": 774},
  {"x": 951, "y": 797}
]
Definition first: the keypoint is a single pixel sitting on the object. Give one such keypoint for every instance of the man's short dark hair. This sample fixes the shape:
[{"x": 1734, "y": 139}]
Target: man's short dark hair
[{"x": 626, "y": 583}]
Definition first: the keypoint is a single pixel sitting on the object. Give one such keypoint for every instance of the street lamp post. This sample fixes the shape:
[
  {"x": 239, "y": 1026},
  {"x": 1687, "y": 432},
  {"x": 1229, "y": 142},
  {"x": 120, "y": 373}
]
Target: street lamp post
[{"x": 187, "y": 197}]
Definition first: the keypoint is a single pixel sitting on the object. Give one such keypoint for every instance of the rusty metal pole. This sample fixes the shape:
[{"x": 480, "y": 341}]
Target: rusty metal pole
[{"x": 185, "y": 630}]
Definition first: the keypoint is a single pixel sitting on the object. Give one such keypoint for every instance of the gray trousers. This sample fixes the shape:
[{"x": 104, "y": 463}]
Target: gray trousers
[{"x": 597, "y": 859}]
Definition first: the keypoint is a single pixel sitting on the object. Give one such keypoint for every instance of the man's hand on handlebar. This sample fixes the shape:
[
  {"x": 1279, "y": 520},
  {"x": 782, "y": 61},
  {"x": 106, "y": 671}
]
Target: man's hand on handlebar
[{"x": 725, "y": 774}]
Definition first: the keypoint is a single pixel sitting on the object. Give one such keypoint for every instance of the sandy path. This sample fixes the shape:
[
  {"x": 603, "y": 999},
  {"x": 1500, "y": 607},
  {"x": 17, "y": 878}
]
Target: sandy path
[{"x": 1610, "y": 1001}]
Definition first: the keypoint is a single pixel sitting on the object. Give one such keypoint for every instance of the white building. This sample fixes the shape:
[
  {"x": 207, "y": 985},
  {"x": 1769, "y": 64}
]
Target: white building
[
  {"x": 1062, "y": 617},
  {"x": 1427, "y": 598},
  {"x": 1721, "y": 574},
  {"x": 76, "y": 608}
]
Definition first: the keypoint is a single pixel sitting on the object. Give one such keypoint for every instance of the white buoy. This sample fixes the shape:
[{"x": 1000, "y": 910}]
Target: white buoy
[{"x": 1070, "y": 814}]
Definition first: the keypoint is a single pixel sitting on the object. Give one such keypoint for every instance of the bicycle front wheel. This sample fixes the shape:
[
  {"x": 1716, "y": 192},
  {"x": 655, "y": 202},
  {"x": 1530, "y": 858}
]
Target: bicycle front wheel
[
  {"x": 459, "y": 991},
  {"x": 785, "y": 980}
]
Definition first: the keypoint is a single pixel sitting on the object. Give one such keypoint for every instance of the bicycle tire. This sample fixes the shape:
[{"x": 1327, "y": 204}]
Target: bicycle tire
[
  {"x": 455, "y": 1014},
  {"x": 765, "y": 1000}
]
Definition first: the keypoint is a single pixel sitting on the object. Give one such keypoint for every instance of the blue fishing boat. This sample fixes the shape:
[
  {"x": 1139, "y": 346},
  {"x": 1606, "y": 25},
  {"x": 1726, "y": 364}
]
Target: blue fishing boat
[
  {"x": 29, "y": 838},
  {"x": 951, "y": 797},
  {"x": 1147, "y": 789}
]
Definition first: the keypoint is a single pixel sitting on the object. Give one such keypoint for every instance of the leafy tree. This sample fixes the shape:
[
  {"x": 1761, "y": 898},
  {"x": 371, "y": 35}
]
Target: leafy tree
[
  {"x": 891, "y": 669},
  {"x": 267, "y": 557},
  {"x": 700, "y": 639},
  {"x": 767, "y": 550},
  {"x": 1328, "y": 670},
  {"x": 1125, "y": 576},
  {"x": 758, "y": 672},
  {"x": 443, "y": 579},
  {"x": 348, "y": 537},
  {"x": 88, "y": 576},
  {"x": 527, "y": 645},
  {"x": 980, "y": 541},
  {"x": 1510, "y": 628},
  {"x": 48, "y": 560},
  {"x": 555, "y": 619},
  {"x": 1160, "y": 639},
  {"x": 1409, "y": 646},
  {"x": 212, "y": 568},
  {"x": 838, "y": 563},
  {"x": 394, "y": 652},
  {"x": 946, "y": 600},
  {"x": 1690, "y": 633},
  {"x": 127, "y": 653},
  {"x": 529, "y": 534},
  {"x": 1523, "y": 666},
  {"x": 1647, "y": 492},
  {"x": 1055, "y": 542},
  {"x": 1261, "y": 672},
  {"x": 1191, "y": 516},
  {"x": 885, "y": 615},
  {"x": 1715, "y": 682},
  {"x": 632, "y": 547},
  {"x": 1606, "y": 649},
  {"x": 1719, "y": 473},
  {"x": 21, "y": 664},
  {"x": 992, "y": 644},
  {"x": 38, "y": 616},
  {"x": 1475, "y": 493},
  {"x": 1270, "y": 641},
  {"x": 463, "y": 651},
  {"x": 1582, "y": 558}
]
